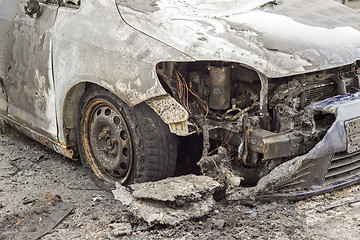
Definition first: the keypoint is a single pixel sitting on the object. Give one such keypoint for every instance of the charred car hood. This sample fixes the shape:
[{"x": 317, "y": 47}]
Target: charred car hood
[{"x": 277, "y": 38}]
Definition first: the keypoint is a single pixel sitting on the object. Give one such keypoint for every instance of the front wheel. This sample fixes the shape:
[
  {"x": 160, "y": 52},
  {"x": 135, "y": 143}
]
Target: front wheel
[{"x": 122, "y": 144}]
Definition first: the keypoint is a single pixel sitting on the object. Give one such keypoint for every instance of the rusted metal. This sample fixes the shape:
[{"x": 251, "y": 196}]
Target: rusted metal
[
  {"x": 110, "y": 139},
  {"x": 219, "y": 93},
  {"x": 44, "y": 140},
  {"x": 273, "y": 145},
  {"x": 172, "y": 113},
  {"x": 107, "y": 141}
]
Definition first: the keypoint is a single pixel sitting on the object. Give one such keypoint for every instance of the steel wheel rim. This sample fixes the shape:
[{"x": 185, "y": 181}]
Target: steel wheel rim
[{"x": 107, "y": 141}]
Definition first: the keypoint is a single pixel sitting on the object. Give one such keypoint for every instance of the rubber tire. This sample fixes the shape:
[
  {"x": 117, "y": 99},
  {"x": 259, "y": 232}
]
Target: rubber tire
[{"x": 154, "y": 147}]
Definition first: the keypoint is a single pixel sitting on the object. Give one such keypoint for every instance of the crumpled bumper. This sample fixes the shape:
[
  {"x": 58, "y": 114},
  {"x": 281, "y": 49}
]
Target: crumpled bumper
[{"x": 309, "y": 174}]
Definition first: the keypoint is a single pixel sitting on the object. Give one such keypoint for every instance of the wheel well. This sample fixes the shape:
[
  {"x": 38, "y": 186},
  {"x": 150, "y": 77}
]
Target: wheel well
[{"x": 71, "y": 109}]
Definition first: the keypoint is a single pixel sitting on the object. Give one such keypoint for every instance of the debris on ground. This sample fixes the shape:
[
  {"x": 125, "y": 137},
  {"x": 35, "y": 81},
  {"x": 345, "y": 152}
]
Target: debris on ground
[
  {"x": 218, "y": 167},
  {"x": 93, "y": 220},
  {"x": 267, "y": 184},
  {"x": 120, "y": 229},
  {"x": 337, "y": 204},
  {"x": 28, "y": 199},
  {"x": 169, "y": 201},
  {"x": 98, "y": 198},
  {"x": 217, "y": 223},
  {"x": 43, "y": 216}
]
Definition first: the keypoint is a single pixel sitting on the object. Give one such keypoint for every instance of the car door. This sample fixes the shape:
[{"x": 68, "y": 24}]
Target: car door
[
  {"x": 7, "y": 15},
  {"x": 27, "y": 77}
]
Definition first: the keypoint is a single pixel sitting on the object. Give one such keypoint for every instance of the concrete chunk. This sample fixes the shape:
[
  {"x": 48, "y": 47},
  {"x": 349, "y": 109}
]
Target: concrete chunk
[
  {"x": 122, "y": 194},
  {"x": 179, "y": 189},
  {"x": 120, "y": 229},
  {"x": 169, "y": 201}
]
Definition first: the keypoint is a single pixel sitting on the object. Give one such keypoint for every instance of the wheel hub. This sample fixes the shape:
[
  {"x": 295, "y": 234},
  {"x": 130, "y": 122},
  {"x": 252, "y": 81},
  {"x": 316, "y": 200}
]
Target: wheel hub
[{"x": 110, "y": 141}]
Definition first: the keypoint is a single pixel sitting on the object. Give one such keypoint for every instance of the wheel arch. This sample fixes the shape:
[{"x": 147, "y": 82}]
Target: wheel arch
[
  {"x": 71, "y": 103},
  {"x": 70, "y": 109}
]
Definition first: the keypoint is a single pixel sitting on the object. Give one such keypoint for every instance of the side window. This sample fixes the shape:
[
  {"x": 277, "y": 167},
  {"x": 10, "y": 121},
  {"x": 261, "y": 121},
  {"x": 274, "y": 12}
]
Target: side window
[{"x": 70, "y": 3}]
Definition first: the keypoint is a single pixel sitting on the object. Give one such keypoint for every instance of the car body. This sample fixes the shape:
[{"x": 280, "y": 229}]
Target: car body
[{"x": 275, "y": 82}]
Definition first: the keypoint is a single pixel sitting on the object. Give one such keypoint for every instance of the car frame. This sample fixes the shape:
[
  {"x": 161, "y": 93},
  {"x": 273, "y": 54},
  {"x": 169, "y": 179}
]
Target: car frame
[{"x": 122, "y": 84}]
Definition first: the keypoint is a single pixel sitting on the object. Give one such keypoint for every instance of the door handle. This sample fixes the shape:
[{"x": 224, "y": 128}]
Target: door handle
[{"x": 32, "y": 8}]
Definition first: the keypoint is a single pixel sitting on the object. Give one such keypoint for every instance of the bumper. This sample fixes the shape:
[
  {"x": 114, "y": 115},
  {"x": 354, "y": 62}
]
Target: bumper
[
  {"x": 330, "y": 165},
  {"x": 298, "y": 195},
  {"x": 326, "y": 167}
]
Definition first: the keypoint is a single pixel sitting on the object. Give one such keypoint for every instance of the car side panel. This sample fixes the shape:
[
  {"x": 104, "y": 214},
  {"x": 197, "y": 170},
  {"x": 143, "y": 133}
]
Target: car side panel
[
  {"x": 29, "y": 81},
  {"x": 93, "y": 44},
  {"x": 8, "y": 9}
]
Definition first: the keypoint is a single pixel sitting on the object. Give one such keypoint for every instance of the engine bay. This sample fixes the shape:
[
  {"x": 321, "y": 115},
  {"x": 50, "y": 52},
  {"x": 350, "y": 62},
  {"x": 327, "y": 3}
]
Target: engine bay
[{"x": 260, "y": 122}]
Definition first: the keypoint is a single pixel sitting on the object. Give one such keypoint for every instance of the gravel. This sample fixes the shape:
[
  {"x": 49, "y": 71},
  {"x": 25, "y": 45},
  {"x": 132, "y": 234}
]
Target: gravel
[{"x": 29, "y": 170}]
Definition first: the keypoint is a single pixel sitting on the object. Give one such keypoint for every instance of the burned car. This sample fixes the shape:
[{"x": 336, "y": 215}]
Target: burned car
[{"x": 123, "y": 84}]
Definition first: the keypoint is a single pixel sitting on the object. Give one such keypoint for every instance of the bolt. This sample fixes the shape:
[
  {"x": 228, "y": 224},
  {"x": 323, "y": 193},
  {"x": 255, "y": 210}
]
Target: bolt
[
  {"x": 107, "y": 130},
  {"x": 113, "y": 153},
  {"x": 101, "y": 136},
  {"x": 105, "y": 150}
]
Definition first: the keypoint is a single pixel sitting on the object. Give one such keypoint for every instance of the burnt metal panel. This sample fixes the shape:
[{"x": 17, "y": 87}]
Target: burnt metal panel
[
  {"x": 93, "y": 44},
  {"x": 29, "y": 81},
  {"x": 8, "y": 11},
  {"x": 43, "y": 139},
  {"x": 219, "y": 93},
  {"x": 265, "y": 35},
  {"x": 275, "y": 145}
]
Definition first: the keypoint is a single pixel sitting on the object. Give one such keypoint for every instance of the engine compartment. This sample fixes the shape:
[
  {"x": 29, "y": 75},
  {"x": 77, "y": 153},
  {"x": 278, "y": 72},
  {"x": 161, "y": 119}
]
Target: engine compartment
[{"x": 260, "y": 122}]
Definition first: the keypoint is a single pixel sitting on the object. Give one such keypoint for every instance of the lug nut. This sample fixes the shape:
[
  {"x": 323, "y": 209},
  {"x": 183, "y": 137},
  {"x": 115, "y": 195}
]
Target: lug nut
[
  {"x": 101, "y": 136},
  {"x": 107, "y": 130}
]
